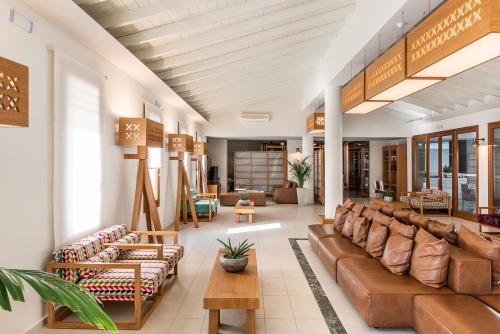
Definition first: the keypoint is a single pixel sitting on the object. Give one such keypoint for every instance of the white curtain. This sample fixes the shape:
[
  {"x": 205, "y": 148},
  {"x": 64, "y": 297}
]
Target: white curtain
[{"x": 77, "y": 149}]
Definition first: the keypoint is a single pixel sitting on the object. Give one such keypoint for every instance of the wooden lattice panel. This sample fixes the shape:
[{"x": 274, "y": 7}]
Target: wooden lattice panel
[
  {"x": 200, "y": 148},
  {"x": 388, "y": 70},
  {"x": 316, "y": 122},
  {"x": 14, "y": 94},
  {"x": 454, "y": 25},
  {"x": 180, "y": 143},
  {"x": 353, "y": 93},
  {"x": 140, "y": 132}
]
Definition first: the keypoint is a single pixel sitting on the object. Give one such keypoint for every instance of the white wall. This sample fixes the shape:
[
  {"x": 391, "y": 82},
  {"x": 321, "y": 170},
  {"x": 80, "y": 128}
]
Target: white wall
[
  {"x": 481, "y": 119},
  {"x": 217, "y": 153},
  {"x": 27, "y": 156},
  {"x": 380, "y": 123}
]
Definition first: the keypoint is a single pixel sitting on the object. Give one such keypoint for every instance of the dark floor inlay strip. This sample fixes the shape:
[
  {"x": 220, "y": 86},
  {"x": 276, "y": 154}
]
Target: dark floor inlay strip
[{"x": 331, "y": 318}]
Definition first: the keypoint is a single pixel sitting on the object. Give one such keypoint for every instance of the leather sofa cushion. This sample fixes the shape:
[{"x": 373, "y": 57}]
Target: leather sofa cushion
[
  {"x": 377, "y": 238},
  {"x": 360, "y": 232},
  {"x": 368, "y": 214},
  {"x": 443, "y": 231},
  {"x": 387, "y": 210},
  {"x": 469, "y": 274},
  {"x": 333, "y": 249},
  {"x": 348, "y": 204},
  {"x": 430, "y": 260},
  {"x": 318, "y": 231},
  {"x": 419, "y": 220},
  {"x": 454, "y": 314},
  {"x": 492, "y": 301},
  {"x": 397, "y": 254},
  {"x": 376, "y": 206},
  {"x": 351, "y": 219},
  {"x": 408, "y": 231},
  {"x": 402, "y": 216},
  {"x": 358, "y": 208},
  {"x": 476, "y": 244},
  {"x": 340, "y": 217},
  {"x": 381, "y": 298},
  {"x": 382, "y": 219}
]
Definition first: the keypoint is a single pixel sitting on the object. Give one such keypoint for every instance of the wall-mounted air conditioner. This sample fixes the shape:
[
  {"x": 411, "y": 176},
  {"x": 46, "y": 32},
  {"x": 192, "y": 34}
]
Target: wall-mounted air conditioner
[{"x": 255, "y": 117}]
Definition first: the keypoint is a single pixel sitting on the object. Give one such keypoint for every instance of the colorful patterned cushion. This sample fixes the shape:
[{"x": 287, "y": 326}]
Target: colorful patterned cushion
[
  {"x": 113, "y": 233},
  {"x": 78, "y": 251},
  {"x": 131, "y": 238},
  {"x": 172, "y": 254},
  {"x": 108, "y": 255},
  {"x": 118, "y": 284}
]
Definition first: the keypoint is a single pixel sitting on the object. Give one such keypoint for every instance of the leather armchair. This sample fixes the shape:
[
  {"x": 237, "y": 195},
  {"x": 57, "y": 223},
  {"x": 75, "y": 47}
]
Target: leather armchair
[{"x": 287, "y": 194}]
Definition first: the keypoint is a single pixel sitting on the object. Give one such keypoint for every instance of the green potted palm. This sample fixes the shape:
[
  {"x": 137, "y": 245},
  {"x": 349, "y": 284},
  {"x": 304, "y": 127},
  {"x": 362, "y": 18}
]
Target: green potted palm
[
  {"x": 54, "y": 290},
  {"x": 300, "y": 170},
  {"x": 234, "y": 259}
]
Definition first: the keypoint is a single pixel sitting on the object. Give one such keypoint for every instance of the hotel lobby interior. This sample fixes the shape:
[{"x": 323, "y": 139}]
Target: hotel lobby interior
[{"x": 250, "y": 166}]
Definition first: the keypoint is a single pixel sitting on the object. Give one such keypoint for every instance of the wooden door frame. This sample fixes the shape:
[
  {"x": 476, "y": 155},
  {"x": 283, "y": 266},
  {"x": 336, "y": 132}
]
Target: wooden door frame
[
  {"x": 491, "y": 141},
  {"x": 456, "y": 132},
  {"x": 414, "y": 160}
]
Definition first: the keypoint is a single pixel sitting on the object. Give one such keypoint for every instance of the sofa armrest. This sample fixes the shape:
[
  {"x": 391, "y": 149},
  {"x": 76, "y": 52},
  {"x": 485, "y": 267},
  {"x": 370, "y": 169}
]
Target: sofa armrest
[
  {"x": 468, "y": 273},
  {"x": 123, "y": 246},
  {"x": 172, "y": 234}
]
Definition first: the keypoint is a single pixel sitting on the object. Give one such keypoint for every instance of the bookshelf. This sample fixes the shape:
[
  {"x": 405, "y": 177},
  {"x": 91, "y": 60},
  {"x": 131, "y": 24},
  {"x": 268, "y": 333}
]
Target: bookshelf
[
  {"x": 318, "y": 175},
  {"x": 395, "y": 169},
  {"x": 262, "y": 171}
]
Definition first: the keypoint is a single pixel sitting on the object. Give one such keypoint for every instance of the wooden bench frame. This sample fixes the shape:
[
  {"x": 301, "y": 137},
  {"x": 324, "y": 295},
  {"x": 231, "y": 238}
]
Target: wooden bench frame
[{"x": 55, "y": 317}]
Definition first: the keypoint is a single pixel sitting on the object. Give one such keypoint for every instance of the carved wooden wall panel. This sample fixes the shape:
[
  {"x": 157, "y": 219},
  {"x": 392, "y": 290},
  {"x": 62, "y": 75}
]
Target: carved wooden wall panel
[{"x": 14, "y": 94}]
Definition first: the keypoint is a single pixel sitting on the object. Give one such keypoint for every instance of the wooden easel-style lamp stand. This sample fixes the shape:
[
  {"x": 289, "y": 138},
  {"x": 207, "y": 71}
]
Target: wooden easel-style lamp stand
[
  {"x": 143, "y": 133},
  {"x": 181, "y": 143}
]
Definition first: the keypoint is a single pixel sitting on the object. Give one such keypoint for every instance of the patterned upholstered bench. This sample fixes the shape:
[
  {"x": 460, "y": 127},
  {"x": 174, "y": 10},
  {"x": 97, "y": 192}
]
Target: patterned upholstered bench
[
  {"x": 114, "y": 265},
  {"x": 428, "y": 199}
]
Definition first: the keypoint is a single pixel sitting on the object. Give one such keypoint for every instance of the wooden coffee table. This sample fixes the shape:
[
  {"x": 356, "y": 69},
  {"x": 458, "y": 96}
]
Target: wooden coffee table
[
  {"x": 244, "y": 210},
  {"x": 232, "y": 291}
]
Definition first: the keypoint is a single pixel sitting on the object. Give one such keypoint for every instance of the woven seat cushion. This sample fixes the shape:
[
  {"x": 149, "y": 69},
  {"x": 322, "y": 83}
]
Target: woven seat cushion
[
  {"x": 172, "y": 254},
  {"x": 113, "y": 233},
  {"x": 118, "y": 284},
  {"x": 108, "y": 255},
  {"x": 131, "y": 238}
]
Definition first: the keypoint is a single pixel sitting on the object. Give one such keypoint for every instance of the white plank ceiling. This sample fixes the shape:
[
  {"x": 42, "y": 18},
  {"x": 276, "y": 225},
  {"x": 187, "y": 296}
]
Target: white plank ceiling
[{"x": 224, "y": 55}]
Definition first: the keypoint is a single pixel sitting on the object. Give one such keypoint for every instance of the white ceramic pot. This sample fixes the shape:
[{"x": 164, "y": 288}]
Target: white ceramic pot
[
  {"x": 388, "y": 199},
  {"x": 301, "y": 196}
]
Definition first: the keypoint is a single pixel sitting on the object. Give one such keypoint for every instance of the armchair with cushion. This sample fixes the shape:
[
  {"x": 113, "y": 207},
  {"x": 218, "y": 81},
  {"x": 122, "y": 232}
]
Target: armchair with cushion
[
  {"x": 287, "y": 194},
  {"x": 428, "y": 199},
  {"x": 205, "y": 204}
]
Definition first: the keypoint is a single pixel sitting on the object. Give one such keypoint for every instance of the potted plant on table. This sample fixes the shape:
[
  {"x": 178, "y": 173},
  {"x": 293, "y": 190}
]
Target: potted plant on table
[
  {"x": 388, "y": 195},
  {"x": 244, "y": 200},
  {"x": 234, "y": 259},
  {"x": 301, "y": 171}
]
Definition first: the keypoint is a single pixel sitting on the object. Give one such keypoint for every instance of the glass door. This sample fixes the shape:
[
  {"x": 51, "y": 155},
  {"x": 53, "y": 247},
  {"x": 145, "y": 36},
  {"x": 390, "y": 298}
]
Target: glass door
[
  {"x": 494, "y": 168},
  {"x": 447, "y": 165},
  {"x": 434, "y": 165},
  {"x": 420, "y": 163},
  {"x": 466, "y": 173}
]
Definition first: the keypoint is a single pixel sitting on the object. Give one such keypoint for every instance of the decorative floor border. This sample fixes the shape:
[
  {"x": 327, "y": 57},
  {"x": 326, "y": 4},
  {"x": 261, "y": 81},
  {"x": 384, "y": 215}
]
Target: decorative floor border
[{"x": 331, "y": 318}]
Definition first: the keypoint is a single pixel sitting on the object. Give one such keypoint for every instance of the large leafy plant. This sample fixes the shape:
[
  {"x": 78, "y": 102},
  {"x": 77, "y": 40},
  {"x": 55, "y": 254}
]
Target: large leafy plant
[
  {"x": 300, "y": 170},
  {"x": 54, "y": 290},
  {"x": 235, "y": 252}
]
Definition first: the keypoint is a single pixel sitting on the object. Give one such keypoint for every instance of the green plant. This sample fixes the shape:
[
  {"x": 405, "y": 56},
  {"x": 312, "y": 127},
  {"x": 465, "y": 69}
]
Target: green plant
[
  {"x": 300, "y": 170},
  {"x": 244, "y": 196},
  {"x": 388, "y": 193},
  {"x": 54, "y": 290},
  {"x": 235, "y": 252},
  {"x": 446, "y": 169}
]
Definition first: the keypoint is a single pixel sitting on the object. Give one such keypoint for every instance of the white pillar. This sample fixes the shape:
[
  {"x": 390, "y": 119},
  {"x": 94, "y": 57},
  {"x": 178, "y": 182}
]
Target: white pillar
[
  {"x": 307, "y": 151},
  {"x": 333, "y": 150}
]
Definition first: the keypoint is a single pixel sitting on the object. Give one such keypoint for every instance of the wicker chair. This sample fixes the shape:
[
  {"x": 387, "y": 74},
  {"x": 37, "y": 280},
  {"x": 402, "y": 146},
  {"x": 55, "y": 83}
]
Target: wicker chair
[{"x": 428, "y": 199}]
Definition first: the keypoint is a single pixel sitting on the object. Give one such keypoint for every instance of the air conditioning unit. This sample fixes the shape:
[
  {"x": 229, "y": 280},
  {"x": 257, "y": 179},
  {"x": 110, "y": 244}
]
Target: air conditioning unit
[{"x": 255, "y": 117}]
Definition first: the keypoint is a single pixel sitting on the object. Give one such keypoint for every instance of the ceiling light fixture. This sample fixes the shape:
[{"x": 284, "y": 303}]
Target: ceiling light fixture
[
  {"x": 353, "y": 97},
  {"x": 316, "y": 123}
]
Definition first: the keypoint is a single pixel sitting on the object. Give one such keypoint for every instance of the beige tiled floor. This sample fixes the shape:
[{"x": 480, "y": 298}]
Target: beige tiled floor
[{"x": 288, "y": 304}]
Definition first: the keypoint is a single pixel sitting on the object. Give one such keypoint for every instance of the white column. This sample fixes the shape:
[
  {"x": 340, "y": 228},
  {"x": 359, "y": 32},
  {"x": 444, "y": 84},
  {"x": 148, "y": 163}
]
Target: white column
[
  {"x": 307, "y": 151},
  {"x": 333, "y": 150}
]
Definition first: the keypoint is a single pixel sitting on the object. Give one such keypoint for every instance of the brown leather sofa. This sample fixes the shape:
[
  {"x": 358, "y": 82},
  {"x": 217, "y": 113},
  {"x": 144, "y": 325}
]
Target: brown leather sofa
[
  {"x": 287, "y": 194},
  {"x": 467, "y": 304},
  {"x": 231, "y": 198}
]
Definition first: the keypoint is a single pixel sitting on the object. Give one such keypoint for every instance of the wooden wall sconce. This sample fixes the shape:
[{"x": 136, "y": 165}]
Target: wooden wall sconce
[
  {"x": 199, "y": 150},
  {"x": 316, "y": 123},
  {"x": 142, "y": 133},
  {"x": 14, "y": 94},
  {"x": 180, "y": 144}
]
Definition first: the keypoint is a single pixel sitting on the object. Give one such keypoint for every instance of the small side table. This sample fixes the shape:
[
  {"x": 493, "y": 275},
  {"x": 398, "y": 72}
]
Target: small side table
[{"x": 248, "y": 210}]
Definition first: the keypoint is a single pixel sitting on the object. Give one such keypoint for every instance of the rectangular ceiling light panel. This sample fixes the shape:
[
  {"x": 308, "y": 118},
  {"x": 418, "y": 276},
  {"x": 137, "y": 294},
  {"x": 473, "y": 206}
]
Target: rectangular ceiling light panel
[{"x": 459, "y": 35}]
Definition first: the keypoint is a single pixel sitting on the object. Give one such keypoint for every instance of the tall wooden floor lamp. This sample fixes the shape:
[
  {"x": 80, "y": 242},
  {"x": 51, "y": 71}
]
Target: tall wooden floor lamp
[
  {"x": 142, "y": 133},
  {"x": 199, "y": 150},
  {"x": 180, "y": 144}
]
